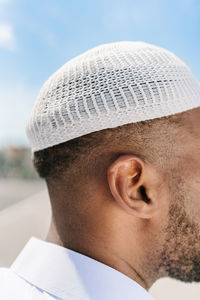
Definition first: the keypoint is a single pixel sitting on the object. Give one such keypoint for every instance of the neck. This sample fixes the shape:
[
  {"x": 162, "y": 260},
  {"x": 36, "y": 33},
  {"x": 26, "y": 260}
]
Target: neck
[{"x": 101, "y": 252}]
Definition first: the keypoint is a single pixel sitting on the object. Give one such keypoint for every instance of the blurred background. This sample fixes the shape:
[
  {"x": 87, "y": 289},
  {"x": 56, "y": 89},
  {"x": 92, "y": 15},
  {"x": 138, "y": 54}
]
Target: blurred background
[{"x": 36, "y": 38}]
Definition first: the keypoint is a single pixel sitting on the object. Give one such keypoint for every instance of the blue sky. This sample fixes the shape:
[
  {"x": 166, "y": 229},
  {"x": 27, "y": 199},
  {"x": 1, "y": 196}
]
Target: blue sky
[{"x": 37, "y": 37}]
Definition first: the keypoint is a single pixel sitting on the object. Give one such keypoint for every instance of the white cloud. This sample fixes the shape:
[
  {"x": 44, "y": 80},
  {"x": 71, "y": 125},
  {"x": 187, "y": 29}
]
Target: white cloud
[
  {"x": 16, "y": 102},
  {"x": 6, "y": 36},
  {"x": 6, "y": 30}
]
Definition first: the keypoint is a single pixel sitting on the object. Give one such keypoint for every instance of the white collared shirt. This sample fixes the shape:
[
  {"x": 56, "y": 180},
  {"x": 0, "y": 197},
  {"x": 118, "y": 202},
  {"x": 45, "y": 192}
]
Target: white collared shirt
[{"x": 45, "y": 271}]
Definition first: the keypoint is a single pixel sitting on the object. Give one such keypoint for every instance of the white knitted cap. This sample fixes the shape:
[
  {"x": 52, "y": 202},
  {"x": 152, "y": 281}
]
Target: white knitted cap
[{"x": 108, "y": 86}]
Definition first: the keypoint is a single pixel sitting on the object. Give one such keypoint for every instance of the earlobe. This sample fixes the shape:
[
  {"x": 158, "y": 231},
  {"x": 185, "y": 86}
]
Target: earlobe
[{"x": 127, "y": 178}]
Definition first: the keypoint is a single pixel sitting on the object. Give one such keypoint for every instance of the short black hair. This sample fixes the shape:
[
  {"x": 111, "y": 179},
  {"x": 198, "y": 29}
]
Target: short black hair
[{"x": 53, "y": 162}]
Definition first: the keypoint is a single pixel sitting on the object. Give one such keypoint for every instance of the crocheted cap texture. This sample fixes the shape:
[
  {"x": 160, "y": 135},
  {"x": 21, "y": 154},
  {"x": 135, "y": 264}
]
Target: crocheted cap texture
[{"x": 108, "y": 86}]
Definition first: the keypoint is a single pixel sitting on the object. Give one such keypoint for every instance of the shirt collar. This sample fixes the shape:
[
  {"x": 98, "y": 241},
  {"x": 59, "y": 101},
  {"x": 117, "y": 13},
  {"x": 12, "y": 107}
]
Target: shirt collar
[{"x": 65, "y": 273}]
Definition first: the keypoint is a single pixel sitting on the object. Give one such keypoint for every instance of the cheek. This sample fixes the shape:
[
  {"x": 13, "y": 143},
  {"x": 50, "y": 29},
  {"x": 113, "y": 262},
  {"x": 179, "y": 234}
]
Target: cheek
[
  {"x": 191, "y": 192},
  {"x": 187, "y": 180}
]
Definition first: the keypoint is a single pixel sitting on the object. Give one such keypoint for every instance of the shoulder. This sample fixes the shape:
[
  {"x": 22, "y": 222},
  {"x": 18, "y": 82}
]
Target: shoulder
[
  {"x": 3, "y": 274},
  {"x": 12, "y": 287}
]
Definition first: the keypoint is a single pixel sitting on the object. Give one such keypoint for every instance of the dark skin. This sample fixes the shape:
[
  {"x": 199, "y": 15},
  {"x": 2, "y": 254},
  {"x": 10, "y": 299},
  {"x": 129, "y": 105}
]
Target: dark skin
[{"x": 136, "y": 219}]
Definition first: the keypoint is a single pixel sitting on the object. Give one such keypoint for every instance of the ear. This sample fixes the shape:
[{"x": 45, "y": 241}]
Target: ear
[{"x": 135, "y": 186}]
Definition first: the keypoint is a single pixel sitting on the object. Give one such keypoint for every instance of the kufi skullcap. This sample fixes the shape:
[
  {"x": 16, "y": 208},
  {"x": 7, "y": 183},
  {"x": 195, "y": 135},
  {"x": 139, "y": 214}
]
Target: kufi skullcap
[{"x": 108, "y": 86}]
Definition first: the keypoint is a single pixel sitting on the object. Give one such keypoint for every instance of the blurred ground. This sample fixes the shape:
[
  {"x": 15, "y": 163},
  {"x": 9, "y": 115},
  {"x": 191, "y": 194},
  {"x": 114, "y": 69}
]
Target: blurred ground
[
  {"x": 14, "y": 190},
  {"x": 20, "y": 221}
]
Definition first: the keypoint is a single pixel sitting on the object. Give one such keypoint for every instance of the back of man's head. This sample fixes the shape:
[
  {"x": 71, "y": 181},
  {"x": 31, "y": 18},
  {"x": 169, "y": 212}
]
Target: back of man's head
[{"x": 111, "y": 133}]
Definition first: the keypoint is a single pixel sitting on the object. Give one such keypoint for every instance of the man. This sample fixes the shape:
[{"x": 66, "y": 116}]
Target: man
[{"x": 115, "y": 134}]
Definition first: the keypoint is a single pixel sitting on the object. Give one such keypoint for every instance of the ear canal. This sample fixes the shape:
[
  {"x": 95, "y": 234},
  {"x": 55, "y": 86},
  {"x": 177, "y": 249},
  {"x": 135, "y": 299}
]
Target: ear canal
[{"x": 144, "y": 195}]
